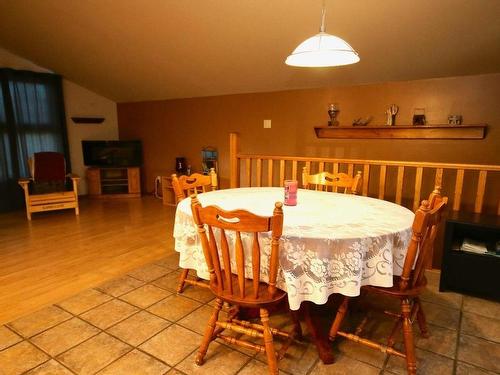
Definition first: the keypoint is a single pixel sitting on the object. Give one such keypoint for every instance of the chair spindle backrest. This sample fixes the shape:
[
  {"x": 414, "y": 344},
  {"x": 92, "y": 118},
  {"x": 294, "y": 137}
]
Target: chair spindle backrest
[
  {"x": 333, "y": 181},
  {"x": 184, "y": 186},
  {"x": 237, "y": 222},
  {"x": 425, "y": 226}
]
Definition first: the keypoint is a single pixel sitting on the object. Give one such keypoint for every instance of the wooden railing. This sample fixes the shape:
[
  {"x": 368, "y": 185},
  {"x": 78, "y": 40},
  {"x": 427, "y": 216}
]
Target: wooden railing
[{"x": 398, "y": 181}]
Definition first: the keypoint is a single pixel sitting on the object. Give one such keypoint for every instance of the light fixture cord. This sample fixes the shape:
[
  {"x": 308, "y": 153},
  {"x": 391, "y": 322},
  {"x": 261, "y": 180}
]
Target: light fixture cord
[{"x": 323, "y": 13}]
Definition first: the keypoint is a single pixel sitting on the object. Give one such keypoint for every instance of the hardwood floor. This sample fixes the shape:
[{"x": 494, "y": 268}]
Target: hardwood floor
[{"x": 58, "y": 254}]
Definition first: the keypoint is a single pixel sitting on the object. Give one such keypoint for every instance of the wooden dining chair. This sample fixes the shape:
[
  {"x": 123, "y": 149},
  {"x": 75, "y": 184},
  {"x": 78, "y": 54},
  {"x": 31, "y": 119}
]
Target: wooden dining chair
[
  {"x": 407, "y": 287},
  {"x": 230, "y": 284},
  {"x": 332, "y": 181},
  {"x": 183, "y": 187}
]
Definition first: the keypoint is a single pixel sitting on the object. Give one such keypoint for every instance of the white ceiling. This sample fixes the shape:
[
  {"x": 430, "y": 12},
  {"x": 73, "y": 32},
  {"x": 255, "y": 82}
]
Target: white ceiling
[{"x": 132, "y": 50}]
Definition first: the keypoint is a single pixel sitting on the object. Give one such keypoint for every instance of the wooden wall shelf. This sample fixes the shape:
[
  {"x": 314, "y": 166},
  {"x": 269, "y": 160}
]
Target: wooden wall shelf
[
  {"x": 87, "y": 120},
  {"x": 403, "y": 132}
]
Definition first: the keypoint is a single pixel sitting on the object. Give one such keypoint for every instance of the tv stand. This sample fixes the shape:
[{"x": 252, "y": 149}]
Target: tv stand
[{"x": 114, "y": 182}]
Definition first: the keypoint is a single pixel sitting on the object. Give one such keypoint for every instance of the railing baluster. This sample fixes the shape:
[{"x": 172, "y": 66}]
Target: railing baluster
[
  {"x": 399, "y": 184},
  {"x": 381, "y": 184},
  {"x": 366, "y": 179},
  {"x": 335, "y": 170},
  {"x": 438, "y": 179},
  {"x": 282, "y": 172},
  {"x": 294, "y": 170},
  {"x": 459, "y": 182},
  {"x": 418, "y": 188},
  {"x": 248, "y": 170},
  {"x": 258, "y": 172},
  {"x": 481, "y": 186},
  {"x": 350, "y": 169},
  {"x": 270, "y": 172}
]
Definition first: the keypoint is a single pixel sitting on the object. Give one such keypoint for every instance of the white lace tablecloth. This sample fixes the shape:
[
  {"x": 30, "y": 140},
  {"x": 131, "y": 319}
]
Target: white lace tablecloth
[{"x": 331, "y": 243}]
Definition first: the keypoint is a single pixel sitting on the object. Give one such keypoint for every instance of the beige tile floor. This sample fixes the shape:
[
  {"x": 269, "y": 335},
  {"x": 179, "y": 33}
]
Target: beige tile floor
[{"x": 137, "y": 324}]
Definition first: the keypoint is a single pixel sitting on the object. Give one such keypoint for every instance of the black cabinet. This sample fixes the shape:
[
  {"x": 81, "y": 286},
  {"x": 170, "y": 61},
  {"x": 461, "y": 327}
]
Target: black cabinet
[{"x": 468, "y": 272}]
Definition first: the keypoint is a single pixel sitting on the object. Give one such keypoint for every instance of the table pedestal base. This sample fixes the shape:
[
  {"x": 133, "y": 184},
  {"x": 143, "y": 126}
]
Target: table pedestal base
[{"x": 318, "y": 332}]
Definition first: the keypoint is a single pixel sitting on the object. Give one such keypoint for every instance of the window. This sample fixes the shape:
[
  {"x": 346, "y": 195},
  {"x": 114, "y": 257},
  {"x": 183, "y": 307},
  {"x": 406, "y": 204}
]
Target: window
[{"x": 31, "y": 120}]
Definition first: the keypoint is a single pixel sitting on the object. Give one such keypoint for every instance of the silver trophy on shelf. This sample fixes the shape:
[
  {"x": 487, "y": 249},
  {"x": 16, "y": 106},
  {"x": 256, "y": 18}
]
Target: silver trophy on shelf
[{"x": 333, "y": 111}]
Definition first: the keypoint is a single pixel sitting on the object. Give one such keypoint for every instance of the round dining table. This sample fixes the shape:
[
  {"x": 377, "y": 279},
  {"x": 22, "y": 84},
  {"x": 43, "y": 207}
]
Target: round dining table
[{"x": 331, "y": 242}]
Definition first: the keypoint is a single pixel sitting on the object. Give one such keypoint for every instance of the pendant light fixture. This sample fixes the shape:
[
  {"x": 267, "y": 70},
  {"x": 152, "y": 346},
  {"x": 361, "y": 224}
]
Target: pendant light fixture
[{"x": 323, "y": 50}]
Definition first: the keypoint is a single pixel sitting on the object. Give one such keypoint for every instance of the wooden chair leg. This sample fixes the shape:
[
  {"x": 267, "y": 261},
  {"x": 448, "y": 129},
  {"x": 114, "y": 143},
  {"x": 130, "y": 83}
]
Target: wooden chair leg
[
  {"x": 272, "y": 362},
  {"x": 411, "y": 362},
  {"x": 422, "y": 323},
  {"x": 339, "y": 317},
  {"x": 209, "y": 332},
  {"x": 182, "y": 278}
]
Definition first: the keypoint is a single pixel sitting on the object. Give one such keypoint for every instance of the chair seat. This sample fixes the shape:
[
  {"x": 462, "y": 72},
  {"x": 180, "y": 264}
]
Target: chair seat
[
  {"x": 395, "y": 291},
  {"x": 264, "y": 298},
  {"x": 62, "y": 196}
]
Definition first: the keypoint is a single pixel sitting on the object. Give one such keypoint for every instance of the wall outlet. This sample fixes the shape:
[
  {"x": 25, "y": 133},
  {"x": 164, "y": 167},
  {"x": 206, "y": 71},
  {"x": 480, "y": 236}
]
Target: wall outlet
[{"x": 267, "y": 124}]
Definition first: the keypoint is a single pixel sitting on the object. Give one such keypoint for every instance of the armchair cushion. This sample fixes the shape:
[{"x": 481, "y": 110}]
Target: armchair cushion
[{"x": 49, "y": 167}]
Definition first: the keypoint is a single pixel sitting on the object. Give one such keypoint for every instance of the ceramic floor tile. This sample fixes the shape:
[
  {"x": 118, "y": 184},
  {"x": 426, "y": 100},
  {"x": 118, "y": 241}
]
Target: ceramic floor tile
[
  {"x": 8, "y": 338},
  {"x": 299, "y": 358},
  {"x": 359, "y": 352},
  {"x": 171, "y": 261},
  {"x": 104, "y": 316},
  {"x": 174, "y": 307},
  {"x": 441, "y": 315},
  {"x": 122, "y": 285},
  {"x": 172, "y": 345},
  {"x": 84, "y": 301},
  {"x": 135, "y": 362},
  {"x": 449, "y": 299},
  {"x": 479, "y": 352},
  {"x": 138, "y": 328},
  {"x": 20, "y": 358},
  {"x": 174, "y": 372},
  {"x": 169, "y": 281},
  {"x": 51, "y": 367},
  {"x": 201, "y": 294},
  {"x": 481, "y": 326},
  {"x": 94, "y": 354},
  {"x": 219, "y": 360},
  {"x": 39, "y": 321},
  {"x": 467, "y": 369},
  {"x": 482, "y": 307},
  {"x": 427, "y": 364},
  {"x": 441, "y": 341},
  {"x": 145, "y": 296},
  {"x": 198, "y": 319},
  {"x": 433, "y": 277},
  {"x": 255, "y": 367},
  {"x": 344, "y": 366},
  {"x": 64, "y": 336},
  {"x": 149, "y": 272}
]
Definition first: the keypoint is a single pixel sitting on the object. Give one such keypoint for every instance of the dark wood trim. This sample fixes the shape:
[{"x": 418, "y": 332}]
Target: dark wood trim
[{"x": 404, "y": 132}]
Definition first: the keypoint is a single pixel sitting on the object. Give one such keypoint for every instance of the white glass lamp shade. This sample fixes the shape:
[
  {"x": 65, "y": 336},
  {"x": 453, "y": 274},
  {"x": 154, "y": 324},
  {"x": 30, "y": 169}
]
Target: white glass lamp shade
[{"x": 323, "y": 50}]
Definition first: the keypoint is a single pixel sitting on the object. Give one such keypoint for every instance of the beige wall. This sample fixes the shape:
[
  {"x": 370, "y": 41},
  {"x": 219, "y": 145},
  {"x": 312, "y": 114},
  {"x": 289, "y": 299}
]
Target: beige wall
[
  {"x": 173, "y": 128},
  {"x": 78, "y": 101},
  {"x": 82, "y": 102}
]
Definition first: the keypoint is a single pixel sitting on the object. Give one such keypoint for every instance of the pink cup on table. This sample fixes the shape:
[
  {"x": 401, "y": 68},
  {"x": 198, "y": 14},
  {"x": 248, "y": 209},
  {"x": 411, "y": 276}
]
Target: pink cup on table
[{"x": 291, "y": 187}]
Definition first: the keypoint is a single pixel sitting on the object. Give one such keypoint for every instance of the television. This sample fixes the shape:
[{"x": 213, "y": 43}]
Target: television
[{"x": 112, "y": 153}]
